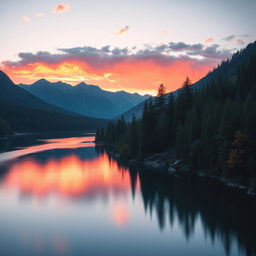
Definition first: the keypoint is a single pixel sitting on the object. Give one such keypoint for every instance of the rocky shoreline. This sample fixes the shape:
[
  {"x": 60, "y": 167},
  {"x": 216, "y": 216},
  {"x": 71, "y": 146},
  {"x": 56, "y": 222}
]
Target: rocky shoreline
[{"x": 169, "y": 162}]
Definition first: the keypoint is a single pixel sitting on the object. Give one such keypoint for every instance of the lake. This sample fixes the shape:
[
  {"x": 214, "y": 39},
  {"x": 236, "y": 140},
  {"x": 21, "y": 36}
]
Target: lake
[{"x": 61, "y": 195}]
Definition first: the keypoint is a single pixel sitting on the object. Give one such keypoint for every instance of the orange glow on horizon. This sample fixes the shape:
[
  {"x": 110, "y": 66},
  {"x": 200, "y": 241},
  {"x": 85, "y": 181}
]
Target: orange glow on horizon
[{"x": 130, "y": 75}]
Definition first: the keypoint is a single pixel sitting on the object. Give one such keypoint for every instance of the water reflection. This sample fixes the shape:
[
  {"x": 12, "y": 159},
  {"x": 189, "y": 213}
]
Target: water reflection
[
  {"x": 49, "y": 144},
  {"x": 69, "y": 176},
  {"x": 226, "y": 215},
  {"x": 65, "y": 197}
]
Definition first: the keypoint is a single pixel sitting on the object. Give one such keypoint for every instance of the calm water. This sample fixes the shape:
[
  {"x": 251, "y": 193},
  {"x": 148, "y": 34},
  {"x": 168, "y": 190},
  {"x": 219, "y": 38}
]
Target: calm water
[{"x": 59, "y": 195}]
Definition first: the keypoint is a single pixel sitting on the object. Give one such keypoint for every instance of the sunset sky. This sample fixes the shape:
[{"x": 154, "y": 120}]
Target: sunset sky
[{"x": 121, "y": 45}]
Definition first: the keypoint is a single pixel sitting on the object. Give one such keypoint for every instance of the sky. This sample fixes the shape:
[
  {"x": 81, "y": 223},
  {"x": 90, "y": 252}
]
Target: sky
[{"x": 130, "y": 45}]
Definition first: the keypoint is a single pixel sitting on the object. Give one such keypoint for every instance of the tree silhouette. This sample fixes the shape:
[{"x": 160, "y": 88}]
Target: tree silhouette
[{"x": 161, "y": 90}]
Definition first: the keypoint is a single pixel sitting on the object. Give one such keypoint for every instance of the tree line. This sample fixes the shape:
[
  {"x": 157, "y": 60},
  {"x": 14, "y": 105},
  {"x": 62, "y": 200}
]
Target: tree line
[
  {"x": 4, "y": 128},
  {"x": 212, "y": 128}
]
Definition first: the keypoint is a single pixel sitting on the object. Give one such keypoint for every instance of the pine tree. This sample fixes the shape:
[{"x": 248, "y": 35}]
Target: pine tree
[
  {"x": 161, "y": 90},
  {"x": 184, "y": 100},
  {"x": 133, "y": 138},
  {"x": 170, "y": 121},
  {"x": 237, "y": 162},
  {"x": 160, "y": 101}
]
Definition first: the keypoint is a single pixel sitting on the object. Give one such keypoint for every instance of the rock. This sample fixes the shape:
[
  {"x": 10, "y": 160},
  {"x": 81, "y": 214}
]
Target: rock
[
  {"x": 251, "y": 192},
  {"x": 202, "y": 173},
  {"x": 175, "y": 164},
  {"x": 155, "y": 161},
  {"x": 153, "y": 164},
  {"x": 134, "y": 162},
  {"x": 242, "y": 187},
  {"x": 222, "y": 179},
  {"x": 230, "y": 184},
  {"x": 183, "y": 168},
  {"x": 172, "y": 170}
]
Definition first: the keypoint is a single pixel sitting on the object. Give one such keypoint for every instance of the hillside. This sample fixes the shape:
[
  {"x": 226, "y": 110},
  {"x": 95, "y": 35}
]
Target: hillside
[
  {"x": 211, "y": 129},
  {"x": 22, "y": 112},
  {"x": 135, "y": 111},
  {"x": 10, "y": 92},
  {"x": 227, "y": 69}
]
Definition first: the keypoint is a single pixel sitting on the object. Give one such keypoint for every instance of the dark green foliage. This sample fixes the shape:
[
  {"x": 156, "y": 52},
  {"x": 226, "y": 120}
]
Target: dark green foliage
[
  {"x": 202, "y": 124},
  {"x": 4, "y": 128},
  {"x": 237, "y": 163},
  {"x": 26, "y": 119}
]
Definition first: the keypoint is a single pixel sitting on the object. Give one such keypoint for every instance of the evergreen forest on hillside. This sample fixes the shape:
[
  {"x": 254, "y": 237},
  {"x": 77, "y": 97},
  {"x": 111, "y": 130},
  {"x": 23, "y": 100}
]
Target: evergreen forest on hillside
[{"x": 211, "y": 128}]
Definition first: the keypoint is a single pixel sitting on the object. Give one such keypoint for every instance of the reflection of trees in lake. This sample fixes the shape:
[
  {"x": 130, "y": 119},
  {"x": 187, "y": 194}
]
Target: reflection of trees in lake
[{"x": 226, "y": 215}]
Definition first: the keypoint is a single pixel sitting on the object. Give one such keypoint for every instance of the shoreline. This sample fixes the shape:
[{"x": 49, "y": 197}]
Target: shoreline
[
  {"x": 174, "y": 166},
  {"x": 16, "y": 134}
]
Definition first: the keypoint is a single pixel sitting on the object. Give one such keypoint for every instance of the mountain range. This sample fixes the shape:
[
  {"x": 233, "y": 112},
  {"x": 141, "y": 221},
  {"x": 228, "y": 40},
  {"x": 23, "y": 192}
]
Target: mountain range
[
  {"x": 46, "y": 106},
  {"x": 84, "y": 99},
  {"x": 25, "y": 112}
]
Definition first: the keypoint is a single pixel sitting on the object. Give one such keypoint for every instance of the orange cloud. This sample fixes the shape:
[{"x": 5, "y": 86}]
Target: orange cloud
[
  {"x": 123, "y": 30},
  {"x": 39, "y": 15},
  {"x": 139, "y": 70},
  {"x": 165, "y": 31},
  {"x": 131, "y": 75},
  {"x": 60, "y": 8},
  {"x": 26, "y": 19},
  {"x": 209, "y": 40}
]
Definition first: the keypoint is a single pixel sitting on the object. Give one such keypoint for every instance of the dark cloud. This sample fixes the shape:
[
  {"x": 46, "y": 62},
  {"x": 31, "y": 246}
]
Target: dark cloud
[
  {"x": 229, "y": 38},
  {"x": 102, "y": 57},
  {"x": 106, "y": 49},
  {"x": 180, "y": 46},
  {"x": 239, "y": 38},
  {"x": 246, "y": 35},
  {"x": 196, "y": 47},
  {"x": 211, "y": 52},
  {"x": 121, "y": 52}
]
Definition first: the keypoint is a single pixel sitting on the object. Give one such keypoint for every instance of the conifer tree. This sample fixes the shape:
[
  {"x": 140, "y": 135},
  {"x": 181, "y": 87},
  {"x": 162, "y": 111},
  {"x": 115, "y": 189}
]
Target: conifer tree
[
  {"x": 237, "y": 162},
  {"x": 160, "y": 101}
]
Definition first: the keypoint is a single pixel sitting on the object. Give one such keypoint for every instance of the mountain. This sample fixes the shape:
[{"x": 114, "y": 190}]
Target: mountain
[
  {"x": 85, "y": 99},
  {"x": 226, "y": 70},
  {"x": 135, "y": 111},
  {"x": 24, "y": 112},
  {"x": 10, "y": 92}
]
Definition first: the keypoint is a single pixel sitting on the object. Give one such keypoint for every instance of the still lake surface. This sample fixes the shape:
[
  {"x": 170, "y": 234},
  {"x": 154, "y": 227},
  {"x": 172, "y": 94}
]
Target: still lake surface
[{"x": 61, "y": 195}]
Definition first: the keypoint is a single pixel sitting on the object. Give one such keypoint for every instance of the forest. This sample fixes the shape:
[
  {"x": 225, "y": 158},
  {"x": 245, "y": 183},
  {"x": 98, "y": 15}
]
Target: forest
[
  {"x": 19, "y": 118},
  {"x": 211, "y": 128}
]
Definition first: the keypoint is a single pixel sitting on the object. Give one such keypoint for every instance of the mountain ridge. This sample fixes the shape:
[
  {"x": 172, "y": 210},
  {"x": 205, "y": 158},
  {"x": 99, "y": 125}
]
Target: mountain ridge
[
  {"x": 11, "y": 92},
  {"x": 21, "y": 111},
  {"x": 90, "y": 100}
]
